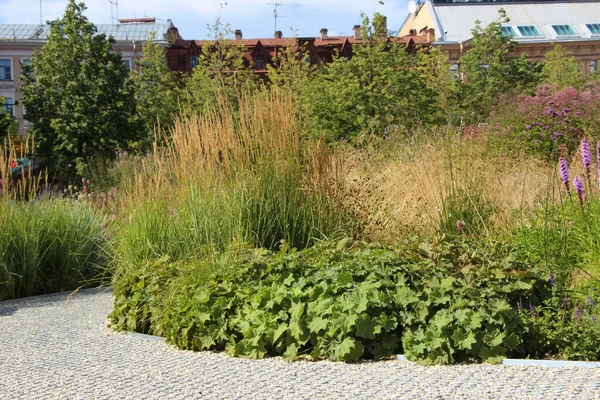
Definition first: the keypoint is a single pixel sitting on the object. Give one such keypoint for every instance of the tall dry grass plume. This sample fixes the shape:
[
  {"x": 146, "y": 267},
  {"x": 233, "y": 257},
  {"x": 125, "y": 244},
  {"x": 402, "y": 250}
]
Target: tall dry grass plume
[{"x": 407, "y": 193}]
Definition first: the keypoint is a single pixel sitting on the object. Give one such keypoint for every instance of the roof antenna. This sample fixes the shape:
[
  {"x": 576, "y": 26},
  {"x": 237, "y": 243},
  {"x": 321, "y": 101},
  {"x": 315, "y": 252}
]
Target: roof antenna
[
  {"x": 276, "y": 5},
  {"x": 114, "y": 4}
]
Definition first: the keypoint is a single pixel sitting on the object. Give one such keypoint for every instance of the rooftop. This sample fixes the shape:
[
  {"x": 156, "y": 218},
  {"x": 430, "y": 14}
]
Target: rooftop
[{"x": 127, "y": 30}]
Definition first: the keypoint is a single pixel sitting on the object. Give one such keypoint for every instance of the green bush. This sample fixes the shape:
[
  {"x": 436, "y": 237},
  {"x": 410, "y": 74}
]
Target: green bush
[
  {"x": 443, "y": 302},
  {"x": 564, "y": 326},
  {"x": 48, "y": 246}
]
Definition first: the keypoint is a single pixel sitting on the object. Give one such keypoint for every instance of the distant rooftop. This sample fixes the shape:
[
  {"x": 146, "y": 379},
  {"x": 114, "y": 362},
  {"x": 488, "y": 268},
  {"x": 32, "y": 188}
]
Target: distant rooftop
[
  {"x": 530, "y": 21},
  {"x": 127, "y": 30}
]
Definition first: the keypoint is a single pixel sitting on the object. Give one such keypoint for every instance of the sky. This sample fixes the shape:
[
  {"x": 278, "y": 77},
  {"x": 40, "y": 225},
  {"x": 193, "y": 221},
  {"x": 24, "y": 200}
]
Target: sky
[{"x": 304, "y": 18}]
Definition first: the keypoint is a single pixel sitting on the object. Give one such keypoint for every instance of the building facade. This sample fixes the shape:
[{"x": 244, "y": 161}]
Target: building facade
[
  {"x": 534, "y": 24},
  {"x": 18, "y": 42}
]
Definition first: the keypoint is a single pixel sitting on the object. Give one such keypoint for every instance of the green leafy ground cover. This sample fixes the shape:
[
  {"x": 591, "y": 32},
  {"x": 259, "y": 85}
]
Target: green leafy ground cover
[{"x": 443, "y": 302}]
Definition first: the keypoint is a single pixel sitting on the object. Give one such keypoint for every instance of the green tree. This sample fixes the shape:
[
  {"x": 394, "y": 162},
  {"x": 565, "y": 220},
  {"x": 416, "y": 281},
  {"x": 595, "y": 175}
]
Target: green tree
[
  {"x": 488, "y": 70},
  {"x": 377, "y": 90},
  {"x": 221, "y": 72},
  {"x": 434, "y": 69},
  {"x": 78, "y": 95},
  {"x": 157, "y": 91},
  {"x": 8, "y": 123},
  {"x": 292, "y": 70},
  {"x": 562, "y": 68}
]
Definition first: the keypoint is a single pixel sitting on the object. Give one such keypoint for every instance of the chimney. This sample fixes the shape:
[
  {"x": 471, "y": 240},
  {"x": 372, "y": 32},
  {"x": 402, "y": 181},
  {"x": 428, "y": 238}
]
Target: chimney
[
  {"x": 278, "y": 35},
  {"x": 412, "y": 32},
  {"x": 324, "y": 33},
  {"x": 384, "y": 26},
  {"x": 357, "y": 32},
  {"x": 431, "y": 35},
  {"x": 238, "y": 34}
]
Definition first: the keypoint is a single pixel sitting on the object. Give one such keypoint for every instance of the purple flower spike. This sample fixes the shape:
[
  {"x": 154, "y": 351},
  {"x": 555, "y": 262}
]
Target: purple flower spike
[
  {"x": 578, "y": 313},
  {"x": 590, "y": 301},
  {"x": 531, "y": 307},
  {"x": 552, "y": 280},
  {"x": 578, "y": 184},
  {"x": 598, "y": 160},
  {"x": 520, "y": 303},
  {"x": 564, "y": 173},
  {"x": 586, "y": 156}
]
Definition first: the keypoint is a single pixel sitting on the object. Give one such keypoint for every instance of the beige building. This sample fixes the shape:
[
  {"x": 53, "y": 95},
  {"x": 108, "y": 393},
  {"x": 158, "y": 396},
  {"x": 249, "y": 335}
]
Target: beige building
[
  {"x": 534, "y": 24},
  {"x": 18, "y": 42}
]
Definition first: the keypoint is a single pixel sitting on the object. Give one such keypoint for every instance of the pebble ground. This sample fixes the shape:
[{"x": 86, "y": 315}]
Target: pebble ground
[{"x": 55, "y": 347}]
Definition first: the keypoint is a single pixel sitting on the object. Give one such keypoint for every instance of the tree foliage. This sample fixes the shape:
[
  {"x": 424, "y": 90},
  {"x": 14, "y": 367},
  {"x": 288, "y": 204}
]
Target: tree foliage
[
  {"x": 157, "y": 91},
  {"x": 8, "y": 123},
  {"x": 378, "y": 89},
  {"x": 221, "y": 72},
  {"x": 488, "y": 69},
  {"x": 78, "y": 95},
  {"x": 562, "y": 68}
]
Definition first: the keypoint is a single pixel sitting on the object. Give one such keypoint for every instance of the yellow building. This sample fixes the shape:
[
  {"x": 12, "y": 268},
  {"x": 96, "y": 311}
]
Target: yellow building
[{"x": 534, "y": 24}]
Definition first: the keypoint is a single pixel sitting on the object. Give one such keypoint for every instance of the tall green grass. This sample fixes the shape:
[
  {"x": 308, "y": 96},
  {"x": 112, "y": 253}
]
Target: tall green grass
[
  {"x": 231, "y": 179},
  {"x": 48, "y": 245}
]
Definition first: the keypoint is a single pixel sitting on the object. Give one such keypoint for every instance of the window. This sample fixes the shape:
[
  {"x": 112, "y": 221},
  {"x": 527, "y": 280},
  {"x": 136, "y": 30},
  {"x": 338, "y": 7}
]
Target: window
[
  {"x": 127, "y": 63},
  {"x": 26, "y": 61},
  {"x": 7, "y": 104},
  {"x": 5, "y": 70},
  {"x": 594, "y": 28},
  {"x": 193, "y": 62},
  {"x": 592, "y": 66},
  {"x": 563, "y": 30},
  {"x": 508, "y": 31},
  {"x": 454, "y": 71},
  {"x": 528, "y": 30},
  {"x": 260, "y": 62}
]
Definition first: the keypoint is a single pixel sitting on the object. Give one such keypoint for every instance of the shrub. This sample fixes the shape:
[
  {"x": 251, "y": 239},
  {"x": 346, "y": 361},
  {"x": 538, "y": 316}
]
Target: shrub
[
  {"x": 49, "y": 246},
  {"x": 441, "y": 302}
]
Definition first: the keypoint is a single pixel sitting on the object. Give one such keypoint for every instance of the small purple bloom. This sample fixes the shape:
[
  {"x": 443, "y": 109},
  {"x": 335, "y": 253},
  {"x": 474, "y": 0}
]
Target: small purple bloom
[
  {"x": 552, "y": 280},
  {"x": 458, "y": 225},
  {"x": 548, "y": 111},
  {"x": 593, "y": 318},
  {"x": 537, "y": 123},
  {"x": 531, "y": 307},
  {"x": 578, "y": 113},
  {"x": 586, "y": 156},
  {"x": 556, "y": 135},
  {"x": 546, "y": 127},
  {"x": 566, "y": 110},
  {"x": 590, "y": 301},
  {"x": 578, "y": 313},
  {"x": 563, "y": 167},
  {"x": 578, "y": 184},
  {"x": 550, "y": 103},
  {"x": 528, "y": 127}
]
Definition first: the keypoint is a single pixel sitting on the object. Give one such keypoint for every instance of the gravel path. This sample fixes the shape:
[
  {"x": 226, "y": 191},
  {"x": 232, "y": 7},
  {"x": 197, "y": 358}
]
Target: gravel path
[{"x": 54, "y": 348}]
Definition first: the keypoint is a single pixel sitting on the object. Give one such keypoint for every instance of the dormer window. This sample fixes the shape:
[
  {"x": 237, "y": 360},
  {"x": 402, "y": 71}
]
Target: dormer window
[
  {"x": 260, "y": 62},
  {"x": 594, "y": 29},
  {"x": 528, "y": 31},
  {"x": 563, "y": 30},
  {"x": 193, "y": 62},
  {"x": 507, "y": 31}
]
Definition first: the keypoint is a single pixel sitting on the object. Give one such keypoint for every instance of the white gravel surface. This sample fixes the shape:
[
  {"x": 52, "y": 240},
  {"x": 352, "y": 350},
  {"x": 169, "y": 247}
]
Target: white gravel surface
[{"x": 54, "y": 348}]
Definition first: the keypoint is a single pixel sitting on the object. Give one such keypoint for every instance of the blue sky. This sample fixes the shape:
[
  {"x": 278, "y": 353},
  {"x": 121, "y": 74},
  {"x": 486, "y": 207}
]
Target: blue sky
[{"x": 253, "y": 17}]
